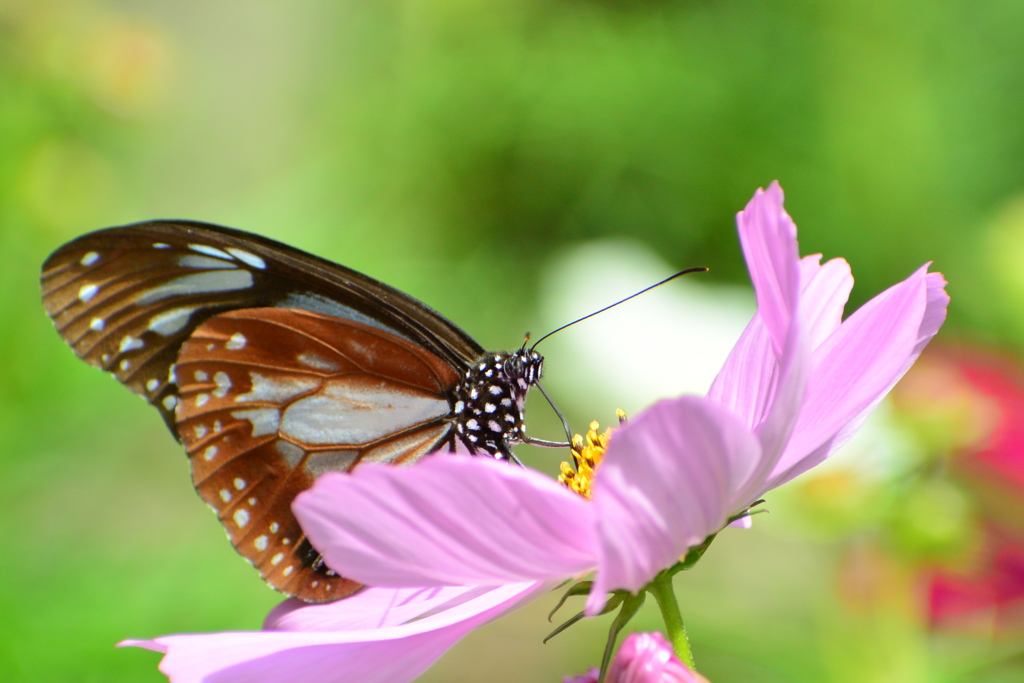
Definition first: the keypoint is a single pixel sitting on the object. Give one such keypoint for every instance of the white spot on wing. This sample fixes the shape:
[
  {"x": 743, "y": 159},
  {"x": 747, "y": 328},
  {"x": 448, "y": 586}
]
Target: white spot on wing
[
  {"x": 276, "y": 559},
  {"x": 316, "y": 362},
  {"x": 210, "y": 251},
  {"x": 210, "y": 453},
  {"x": 271, "y": 390},
  {"x": 239, "y": 483},
  {"x": 90, "y": 258},
  {"x": 201, "y": 376},
  {"x": 198, "y": 283},
  {"x": 260, "y": 543},
  {"x": 97, "y": 324},
  {"x": 125, "y": 364},
  {"x": 152, "y": 384},
  {"x": 274, "y": 527},
  {"x": 236, "y": 342},
  {"x": 161, "y": 245},
  {"x": 201, "y": 400},
  {"x": 245, "y": 257},
  {"x": 241, "y": 517},
  {"x": 223, "y": 384},
  {"x": 130, "y": 343},
  {"x": 203, "y": 262},
  {"x": 200, "y": 431},
  {"x": 87, "y": 292},
  {"x": 264, "y": 420},
  {"x": 170, "y": 402},
  {"x": 225, "y": 495},
  {"x": 288, "y": 571},
  {"x": 169, "y": 322}
]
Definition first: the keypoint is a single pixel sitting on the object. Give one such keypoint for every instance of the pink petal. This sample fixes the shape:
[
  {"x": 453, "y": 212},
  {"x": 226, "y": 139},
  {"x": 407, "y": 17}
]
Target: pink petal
[
  {"x": 768, "y": 237},
  {"x": 824, "y": 290},
  {"x": 764, "y": 379},
  {"x": 665, "y": 484},
  {"x": 858, "y": 364},
  {"x": 746, "y": 382},
  {"x": 370, "y": 608},
  {"x": 789, "y": 395},
  {"x": 451, "y": 520},
  {"x": 392, "y": 654}
]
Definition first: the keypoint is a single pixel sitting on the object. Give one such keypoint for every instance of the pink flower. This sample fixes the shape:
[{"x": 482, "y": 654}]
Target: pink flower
[
  {"x": 988, "y": 595},
  {"x": 798, "y": 384},
  {"x": 377, "y": 635},
  {"x": 795, "y": 387},
  {"x": 643, "y": 658}
]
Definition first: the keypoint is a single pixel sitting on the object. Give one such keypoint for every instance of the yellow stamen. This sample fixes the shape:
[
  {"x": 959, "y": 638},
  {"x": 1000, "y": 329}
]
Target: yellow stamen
[{"x": 587, "y": 454}]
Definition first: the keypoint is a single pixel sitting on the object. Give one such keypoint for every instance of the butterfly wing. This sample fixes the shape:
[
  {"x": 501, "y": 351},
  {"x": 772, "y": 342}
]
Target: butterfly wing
[
  {"x": 270, "y": 365},
  {"x": 126, "y": 299}
]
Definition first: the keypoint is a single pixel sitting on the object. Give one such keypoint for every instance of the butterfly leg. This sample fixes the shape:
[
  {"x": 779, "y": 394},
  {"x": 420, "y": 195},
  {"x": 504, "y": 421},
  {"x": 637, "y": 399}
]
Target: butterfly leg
[
  {"x": 565, "y": 425},
  {"x": 544, "y": 443},
  {"x": 506, "y": 451}
]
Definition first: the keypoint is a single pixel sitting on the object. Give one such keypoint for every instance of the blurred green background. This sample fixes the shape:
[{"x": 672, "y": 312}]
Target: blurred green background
[{"x": 460, "y": 150}]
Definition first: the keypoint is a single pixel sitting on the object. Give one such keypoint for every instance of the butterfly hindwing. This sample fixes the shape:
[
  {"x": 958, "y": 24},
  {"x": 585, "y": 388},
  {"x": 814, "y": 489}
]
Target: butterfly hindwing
[{"x": 270, "y": 398}]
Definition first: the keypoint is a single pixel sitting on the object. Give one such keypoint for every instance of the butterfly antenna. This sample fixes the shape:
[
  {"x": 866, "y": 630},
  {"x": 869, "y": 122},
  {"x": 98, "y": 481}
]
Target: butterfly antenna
[{"x": 699, "y": 269}]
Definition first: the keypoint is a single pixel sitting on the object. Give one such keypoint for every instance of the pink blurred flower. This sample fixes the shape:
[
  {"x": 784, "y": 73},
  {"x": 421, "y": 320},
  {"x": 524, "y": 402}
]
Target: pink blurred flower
[
  {"x": 989, "y": 596},
  {"x": 979, "y": 393},
  {"x": 377, "y": 635},
  {"x": 643, "y": 658},
  {"x": 798, "y": 384}
]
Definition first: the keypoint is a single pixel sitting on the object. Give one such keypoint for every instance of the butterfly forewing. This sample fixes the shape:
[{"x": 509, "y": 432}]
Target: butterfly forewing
[
  {"x": 270, "y": 398},
  {"x": 126, "y": 298}
]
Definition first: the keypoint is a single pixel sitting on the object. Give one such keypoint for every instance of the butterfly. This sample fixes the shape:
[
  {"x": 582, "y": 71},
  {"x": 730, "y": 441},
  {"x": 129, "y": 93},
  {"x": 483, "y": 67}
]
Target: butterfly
[{"x": 273, "y": 366}]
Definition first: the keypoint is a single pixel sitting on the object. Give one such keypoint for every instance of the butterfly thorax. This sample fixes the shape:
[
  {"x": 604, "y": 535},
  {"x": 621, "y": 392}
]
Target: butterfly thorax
[{"x": 487, "y": 406}]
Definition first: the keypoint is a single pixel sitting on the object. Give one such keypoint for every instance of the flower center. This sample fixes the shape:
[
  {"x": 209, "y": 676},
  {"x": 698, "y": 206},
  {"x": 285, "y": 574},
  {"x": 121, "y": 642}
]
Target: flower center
[{"x": 587, "y": 454}]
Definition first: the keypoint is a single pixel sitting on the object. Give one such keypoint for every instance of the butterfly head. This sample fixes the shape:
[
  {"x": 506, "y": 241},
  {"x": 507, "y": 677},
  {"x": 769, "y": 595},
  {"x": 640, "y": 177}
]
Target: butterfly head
[{"x": 524, "y": 367}]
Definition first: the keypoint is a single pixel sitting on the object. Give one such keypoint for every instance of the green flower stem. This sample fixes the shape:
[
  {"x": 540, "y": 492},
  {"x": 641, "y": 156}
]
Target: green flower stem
[{"x": 661, "y": 587}]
